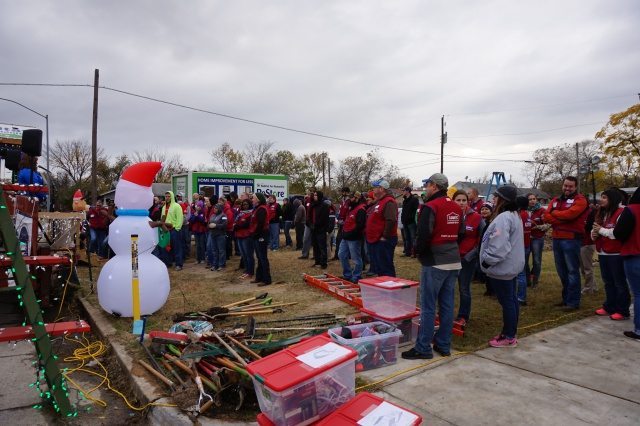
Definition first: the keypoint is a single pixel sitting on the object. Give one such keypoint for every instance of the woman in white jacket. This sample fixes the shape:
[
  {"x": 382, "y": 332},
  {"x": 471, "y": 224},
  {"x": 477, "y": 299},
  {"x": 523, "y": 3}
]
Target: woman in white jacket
[{"x": 502, "y": 258}]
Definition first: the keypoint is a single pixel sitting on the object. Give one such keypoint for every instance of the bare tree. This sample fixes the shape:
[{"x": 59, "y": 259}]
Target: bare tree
[
  {"x": 229, "y": 159},
  {"x": 256, "y": 155},
  {"x": 73, "y": 158},
  {"x": 171, "y": 164}
]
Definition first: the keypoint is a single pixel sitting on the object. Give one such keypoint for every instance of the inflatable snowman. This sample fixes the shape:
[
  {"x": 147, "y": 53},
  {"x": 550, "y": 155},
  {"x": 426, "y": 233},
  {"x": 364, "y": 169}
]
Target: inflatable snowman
[{"x": 133, "y": 199}]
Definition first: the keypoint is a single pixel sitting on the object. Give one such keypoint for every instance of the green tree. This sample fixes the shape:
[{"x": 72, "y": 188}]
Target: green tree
[{"x": 621, "y": 136}]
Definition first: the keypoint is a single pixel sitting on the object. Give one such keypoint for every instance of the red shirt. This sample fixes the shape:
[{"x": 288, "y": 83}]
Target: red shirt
[
  {"x": 471, "y": 235},
  {"x": 526, "y": 227}
]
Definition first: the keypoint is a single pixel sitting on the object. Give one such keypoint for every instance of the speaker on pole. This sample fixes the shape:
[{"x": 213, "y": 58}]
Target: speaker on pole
[{"x": 32, "y": 142}]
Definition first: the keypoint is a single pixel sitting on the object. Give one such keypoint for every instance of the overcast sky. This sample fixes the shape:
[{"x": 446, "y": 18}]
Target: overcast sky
[{"x": 504, "y": 73}]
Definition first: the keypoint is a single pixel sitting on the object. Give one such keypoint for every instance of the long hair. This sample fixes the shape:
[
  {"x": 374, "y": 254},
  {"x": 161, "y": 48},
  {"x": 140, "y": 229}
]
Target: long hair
[
  {"x": 503, "y": 205},
  {"x": 615, "y": 198}
]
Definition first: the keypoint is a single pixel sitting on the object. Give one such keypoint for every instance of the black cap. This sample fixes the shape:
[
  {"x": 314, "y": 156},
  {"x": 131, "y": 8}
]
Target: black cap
[
  {"x": 408, "y": 188},
  {"x": 507, "y": 192}
]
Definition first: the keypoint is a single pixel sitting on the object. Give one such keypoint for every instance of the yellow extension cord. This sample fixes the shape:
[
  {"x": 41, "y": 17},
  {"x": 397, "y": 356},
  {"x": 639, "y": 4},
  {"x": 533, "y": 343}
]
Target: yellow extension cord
[
  {"x": 458, "y": 354},
  {"x": 91, "y": 351}
]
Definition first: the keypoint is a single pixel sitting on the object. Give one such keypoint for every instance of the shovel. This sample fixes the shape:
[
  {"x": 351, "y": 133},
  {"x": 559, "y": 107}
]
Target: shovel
[{"x": 241, "y": 302}]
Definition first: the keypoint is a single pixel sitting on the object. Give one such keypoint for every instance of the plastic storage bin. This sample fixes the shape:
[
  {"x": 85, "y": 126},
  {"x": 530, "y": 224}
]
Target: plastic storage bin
[
  {"x": 305, "y": 382},
  {"x": 374, "y": 350},
  {"x": 406, "y": 324},
  {"x": 389, "y": 296},
  {"x": 363, "y": 405}
]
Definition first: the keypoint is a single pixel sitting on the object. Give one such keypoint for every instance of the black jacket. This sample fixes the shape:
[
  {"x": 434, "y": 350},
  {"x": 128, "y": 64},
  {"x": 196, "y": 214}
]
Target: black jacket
[
  {"x": 409, "y": 209},
  {"x": 320, "y": 215}
]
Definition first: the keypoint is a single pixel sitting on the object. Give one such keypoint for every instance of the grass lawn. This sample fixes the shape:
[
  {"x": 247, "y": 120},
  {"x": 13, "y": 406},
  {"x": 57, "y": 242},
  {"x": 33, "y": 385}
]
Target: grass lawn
[{"x": 197, "y": 288}]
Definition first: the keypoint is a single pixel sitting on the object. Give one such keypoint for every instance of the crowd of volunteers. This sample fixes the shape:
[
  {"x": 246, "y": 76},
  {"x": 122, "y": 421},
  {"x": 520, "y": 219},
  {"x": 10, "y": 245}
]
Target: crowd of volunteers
[{"x": 456, "y": 238}]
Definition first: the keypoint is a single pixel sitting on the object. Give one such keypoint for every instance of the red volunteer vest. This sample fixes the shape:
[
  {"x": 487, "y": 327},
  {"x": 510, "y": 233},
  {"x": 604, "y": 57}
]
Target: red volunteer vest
[
  {"x": 536, "y": 220},
  {"x": 96, "y": 219},
  {"x": 243, "y": 231},
  {"x": 631, "y": 247},
  {"x": 470, "y": 239},
  {"x": 607, "y": 245},
  {"x": 526, "y": 227},
  {"x": 576, "y": 226},
  {"x": 350, "y": 221},
  {"x": 376, "y": 221},
  {"x": 254, "y": 219},
  {"x": 447, "y": 220}
]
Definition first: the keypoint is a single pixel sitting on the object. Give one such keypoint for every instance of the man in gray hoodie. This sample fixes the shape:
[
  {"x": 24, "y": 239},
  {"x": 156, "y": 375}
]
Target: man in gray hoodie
[{"x": 502, "y": 258}]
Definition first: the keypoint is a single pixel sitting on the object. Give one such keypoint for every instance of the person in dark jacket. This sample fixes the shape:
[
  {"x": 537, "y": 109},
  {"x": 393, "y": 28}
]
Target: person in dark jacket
[
  {"x": 408, "y": 218},
  {"x": 259, "y": 227},
  {"x": 287, "y": 217},
  {"x": 352, "y": 236},
  {"x": 299, "y": 220},
  {"x": 319, "y": 227}
]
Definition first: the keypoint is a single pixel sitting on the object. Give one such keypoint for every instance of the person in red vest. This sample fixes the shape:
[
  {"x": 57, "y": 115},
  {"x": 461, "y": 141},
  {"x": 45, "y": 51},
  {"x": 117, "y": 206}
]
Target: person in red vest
[
  {"x": 245, "y": 241},
  {"x": 352, "y": 234},
  {"x": 439, "y": 229},
  {"x": 627, "y": 230},
  {"x": 475, "y": 202},
  {"x": 345, "y": 205},
  {"x": 259, "y": 228},
  {"x": 523, "y": 277},
  {"x": 617, "y": 297},
  {"x": 381, "y": 230},
  {"x": 98, "y": 217},
  {"x": 468, "y": 248},
  {"x": 538, "y": 232},
  {"x": 275, "y": 214},
  {"x": 567, "y": 214}
]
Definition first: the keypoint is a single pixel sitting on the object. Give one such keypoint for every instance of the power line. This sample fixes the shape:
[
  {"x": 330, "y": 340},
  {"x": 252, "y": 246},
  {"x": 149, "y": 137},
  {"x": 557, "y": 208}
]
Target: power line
[{"x": 527, "y": 133}]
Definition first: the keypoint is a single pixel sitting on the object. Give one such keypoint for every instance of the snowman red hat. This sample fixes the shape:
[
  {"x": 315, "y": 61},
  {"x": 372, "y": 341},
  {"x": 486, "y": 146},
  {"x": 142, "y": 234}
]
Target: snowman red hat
[{"x": 133, "y": 190}]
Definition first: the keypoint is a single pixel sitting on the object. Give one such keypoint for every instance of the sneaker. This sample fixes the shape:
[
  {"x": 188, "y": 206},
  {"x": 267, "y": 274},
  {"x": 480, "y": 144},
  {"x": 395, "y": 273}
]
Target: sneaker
[
  {"x": 178, "y": 268},
  {"x": 220, "y": 269},
  {"x": 618, "y": 317},
  {"x": 632, "y": 335},
  {"x": 213, "y": 268},
  {"x": 461, "y": 322},
  {"x": 503, "y": 342},
  {"x": 602, "y": 312},
  {"x": 413, "y": 354},
  {"x": 442, "y": 352}
]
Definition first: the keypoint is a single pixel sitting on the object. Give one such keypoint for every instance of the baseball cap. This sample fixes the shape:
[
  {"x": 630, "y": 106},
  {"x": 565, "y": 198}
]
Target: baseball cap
[
  {"x": 437, "y": 179},
  {"x": 380, "y": 183},
  {"x": 408, "y": 188}
]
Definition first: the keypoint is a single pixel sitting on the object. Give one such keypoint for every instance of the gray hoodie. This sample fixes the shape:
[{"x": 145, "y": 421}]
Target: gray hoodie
[{"x": 502, "y": 249}]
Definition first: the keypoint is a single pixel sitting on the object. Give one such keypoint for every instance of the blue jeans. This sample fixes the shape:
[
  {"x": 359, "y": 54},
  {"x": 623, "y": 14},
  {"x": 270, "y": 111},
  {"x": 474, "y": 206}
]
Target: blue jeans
[
  {"x": 219, "y": 249},
  {"x": 537, "y": 246},
  {"x": 201, "y": 245},
  {"x": 96, "y": 242},
  {"x": 522, "y": 278},
  {"x": 464, "y": 285},
  {"x": 288, "y": 224},
  {"x": 506, "y": 293},
  {"x": 263, "y": 271},
  {"x": 566, "y": 254},
  {"x": 177, "y": 244},
  {"x": 247, "y": 248},
  {"x": 381, "y": 253},
  {"x": 186, "y": 235},
  {"x": 209, "y": 249},
  {"x": 274, "y": 235},
  {"x": 616, "y": 288},
  {"x": 436, "y": 286},
  {"x": 408, "y": 235},
  {"x": 632, "y": 271},
  {"x": 351, "y": 250}
]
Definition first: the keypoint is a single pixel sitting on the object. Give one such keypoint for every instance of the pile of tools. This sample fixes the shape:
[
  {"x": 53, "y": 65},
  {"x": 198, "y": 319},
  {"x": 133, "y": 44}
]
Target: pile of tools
[{"x": 204, "y": 364}]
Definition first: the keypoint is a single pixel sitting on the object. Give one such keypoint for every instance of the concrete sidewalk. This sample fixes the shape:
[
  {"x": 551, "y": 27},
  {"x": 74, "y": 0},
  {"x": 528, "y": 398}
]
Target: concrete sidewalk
[{"x": 585, "y": 372}]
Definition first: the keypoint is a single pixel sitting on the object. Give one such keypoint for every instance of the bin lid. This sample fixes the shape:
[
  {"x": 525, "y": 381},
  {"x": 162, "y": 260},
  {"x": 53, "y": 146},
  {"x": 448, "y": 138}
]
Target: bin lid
[
  {"x": 393, "y": 319},
  {"x": 388, "y": 283},
  {"x": 300, "y": 362},
  {"x": 361, "y": 405}
]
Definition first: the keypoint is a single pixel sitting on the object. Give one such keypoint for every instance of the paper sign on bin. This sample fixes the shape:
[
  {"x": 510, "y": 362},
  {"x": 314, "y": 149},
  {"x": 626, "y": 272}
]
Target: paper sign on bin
[
  {"x": 323, "y": 355},
  {"x": 388, "y": 414}
]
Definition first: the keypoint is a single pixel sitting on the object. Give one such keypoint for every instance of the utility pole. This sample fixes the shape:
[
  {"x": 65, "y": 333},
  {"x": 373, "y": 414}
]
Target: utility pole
[
  {"x": 329, "y": 171},
  {"x": 94, "y": 140},
  {"x": 443, "y": 140},
  {"x": 324, "y": 182},
  {"x": 578, "y": 166}
]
